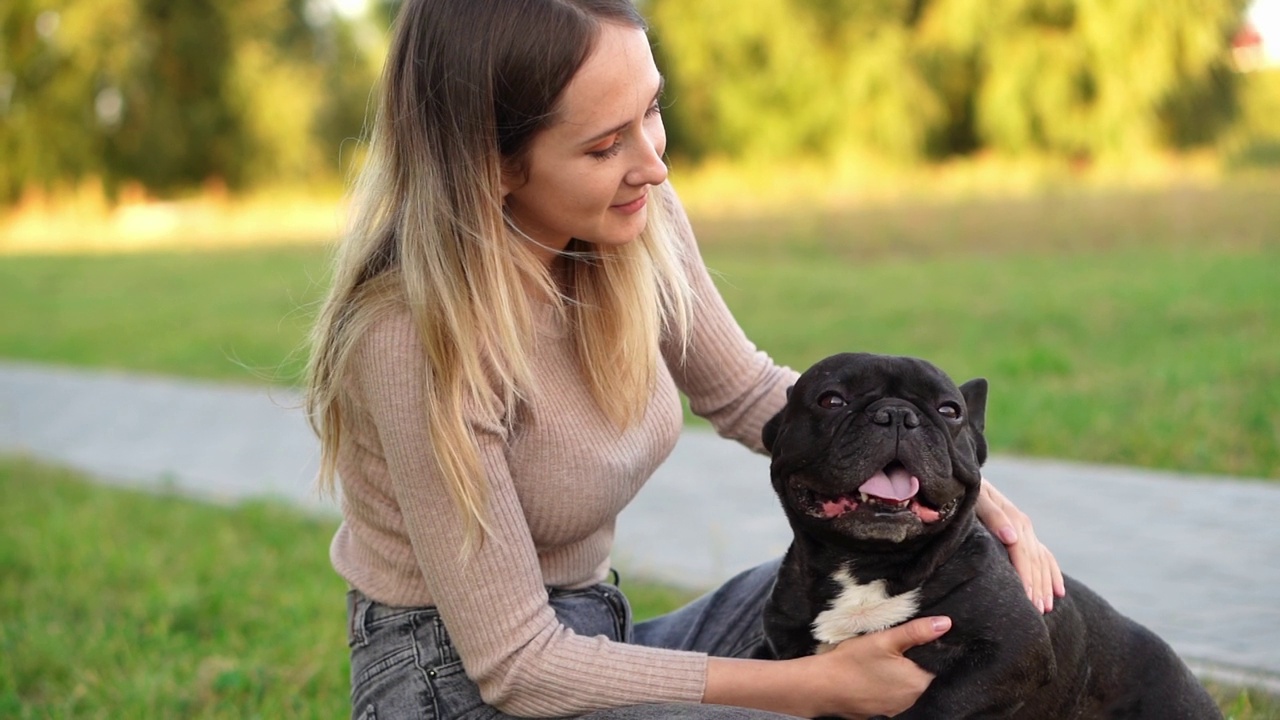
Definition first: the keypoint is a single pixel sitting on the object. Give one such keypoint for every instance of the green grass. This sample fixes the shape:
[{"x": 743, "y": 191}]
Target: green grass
[
  {"x": 1139, "y": 328},
  {"x": 121, "y": 604},
  {"x": 1131, "y": 356},
  {"x": 1135, "y": 328},
  {"x": 236, "y": 315}
]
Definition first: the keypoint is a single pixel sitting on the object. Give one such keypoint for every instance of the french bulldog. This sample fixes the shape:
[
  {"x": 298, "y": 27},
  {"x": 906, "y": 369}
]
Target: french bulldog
[{"x": 876, "y": 461}]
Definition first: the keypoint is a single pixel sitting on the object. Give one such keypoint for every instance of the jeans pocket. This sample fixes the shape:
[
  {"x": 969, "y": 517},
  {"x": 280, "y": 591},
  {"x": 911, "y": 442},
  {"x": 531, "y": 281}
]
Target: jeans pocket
[
  {"x": 392, "y": 661},
  {"x": 390, "y": 687},
  {"x": 596, "y": 610}
]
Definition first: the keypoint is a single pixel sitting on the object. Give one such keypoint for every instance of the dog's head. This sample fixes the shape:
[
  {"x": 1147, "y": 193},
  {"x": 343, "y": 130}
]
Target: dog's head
[{"x": 877, "y": 448}]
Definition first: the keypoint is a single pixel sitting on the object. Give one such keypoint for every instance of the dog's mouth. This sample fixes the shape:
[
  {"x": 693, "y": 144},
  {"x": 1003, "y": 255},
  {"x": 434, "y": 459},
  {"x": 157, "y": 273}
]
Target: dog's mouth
[{"x": 891, "y": 491}]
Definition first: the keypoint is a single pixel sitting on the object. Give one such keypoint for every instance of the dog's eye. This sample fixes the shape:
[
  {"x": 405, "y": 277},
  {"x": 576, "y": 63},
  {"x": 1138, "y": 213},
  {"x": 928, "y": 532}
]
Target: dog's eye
[
  {"x": 949, "y": 410},
  {"x": 831, "y": 400}
]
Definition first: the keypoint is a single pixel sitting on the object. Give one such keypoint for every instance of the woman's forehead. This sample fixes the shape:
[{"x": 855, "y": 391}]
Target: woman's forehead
[{"x": 617, "y": 82}]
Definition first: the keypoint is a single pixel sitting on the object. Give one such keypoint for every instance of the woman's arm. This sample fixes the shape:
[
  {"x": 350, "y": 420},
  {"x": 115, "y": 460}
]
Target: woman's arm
[
  {"x": 861, "y": 677},
  {"x": 728, "y": 380}
]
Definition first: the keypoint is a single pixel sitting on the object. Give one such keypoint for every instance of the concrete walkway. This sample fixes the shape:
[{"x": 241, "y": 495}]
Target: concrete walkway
[{"x": 1196, "y": 559}]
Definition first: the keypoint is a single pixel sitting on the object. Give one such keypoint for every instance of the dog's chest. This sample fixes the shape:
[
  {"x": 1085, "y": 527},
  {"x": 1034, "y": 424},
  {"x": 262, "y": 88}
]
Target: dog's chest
[{"x": 859, "y": 609}]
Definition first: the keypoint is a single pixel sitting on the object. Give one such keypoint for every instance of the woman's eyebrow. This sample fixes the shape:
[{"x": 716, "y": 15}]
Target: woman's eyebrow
[{"x": 662, "y": 84}]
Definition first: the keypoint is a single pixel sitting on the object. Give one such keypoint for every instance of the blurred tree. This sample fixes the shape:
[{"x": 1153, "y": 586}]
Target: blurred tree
[
  {"x": 176, "y": 94},
  {"x": 178, "y": 127},
  {"x": 747, "y": 83},
  {"x": 172, "y": 94},
  {"x": 1097, "y": 77},
  {"x": 915, "y": 79},
  {"x": 60, "y": 91}
]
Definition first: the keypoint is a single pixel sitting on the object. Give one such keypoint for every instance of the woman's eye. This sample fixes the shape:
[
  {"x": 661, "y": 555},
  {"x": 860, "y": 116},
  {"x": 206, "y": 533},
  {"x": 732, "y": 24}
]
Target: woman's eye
[
  {"x": 607, "y": 152},
  {"x": 949, "y": 410},
  {"x": 831, "y": 400}
]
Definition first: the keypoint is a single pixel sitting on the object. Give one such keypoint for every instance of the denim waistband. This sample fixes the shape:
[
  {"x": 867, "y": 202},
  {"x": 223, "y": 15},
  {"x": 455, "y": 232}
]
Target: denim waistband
[{"x": 599, "y": 609}]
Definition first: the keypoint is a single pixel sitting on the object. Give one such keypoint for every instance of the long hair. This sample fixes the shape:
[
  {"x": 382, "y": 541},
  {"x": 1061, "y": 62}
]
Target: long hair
[{"x": 466, "y": 86}]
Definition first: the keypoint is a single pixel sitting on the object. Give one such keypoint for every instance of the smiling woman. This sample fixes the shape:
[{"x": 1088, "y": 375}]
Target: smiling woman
[{"x": 588, "y": 174}]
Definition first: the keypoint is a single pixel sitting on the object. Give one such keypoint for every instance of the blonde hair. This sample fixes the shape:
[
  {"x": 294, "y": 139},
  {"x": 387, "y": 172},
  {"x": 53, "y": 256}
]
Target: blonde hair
[{"x": 466, "y": 86}]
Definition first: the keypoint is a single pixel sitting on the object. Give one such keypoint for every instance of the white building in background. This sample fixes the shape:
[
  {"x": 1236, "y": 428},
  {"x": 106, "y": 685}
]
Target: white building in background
[{"x": 1257, "y": 45}]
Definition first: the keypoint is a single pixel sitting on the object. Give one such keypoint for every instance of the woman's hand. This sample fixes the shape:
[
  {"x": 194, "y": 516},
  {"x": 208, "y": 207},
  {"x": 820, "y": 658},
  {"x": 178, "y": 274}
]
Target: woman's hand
[
  {"x": 860, "y": 678},
  {"x": 1041, "y": 576},
  {"x": 887, "y": 683}
]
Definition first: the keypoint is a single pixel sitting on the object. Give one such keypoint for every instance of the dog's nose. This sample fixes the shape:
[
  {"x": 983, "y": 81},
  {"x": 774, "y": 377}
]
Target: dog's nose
[{"x": 896, "y": 415}]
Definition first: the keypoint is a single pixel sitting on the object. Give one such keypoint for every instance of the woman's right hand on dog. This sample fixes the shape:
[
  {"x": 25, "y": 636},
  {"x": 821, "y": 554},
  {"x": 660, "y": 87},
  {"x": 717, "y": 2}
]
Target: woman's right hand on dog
[{"x": 860, "y": 678}]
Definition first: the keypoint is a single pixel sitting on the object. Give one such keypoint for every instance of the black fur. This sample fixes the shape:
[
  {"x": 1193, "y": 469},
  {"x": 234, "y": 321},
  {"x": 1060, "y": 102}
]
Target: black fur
[{"x": 851, "y": 415}]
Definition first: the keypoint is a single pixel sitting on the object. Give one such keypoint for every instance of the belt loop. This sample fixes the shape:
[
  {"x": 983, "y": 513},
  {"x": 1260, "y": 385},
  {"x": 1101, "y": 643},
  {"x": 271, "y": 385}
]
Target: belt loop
[
  {"x": 620, "y": 608},
  {"x": 357, "y": 608},
  {"x": 445, "y": 650}
]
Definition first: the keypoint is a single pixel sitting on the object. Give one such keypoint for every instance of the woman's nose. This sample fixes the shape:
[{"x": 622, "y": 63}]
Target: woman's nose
[{"x": 650, "y": 168}]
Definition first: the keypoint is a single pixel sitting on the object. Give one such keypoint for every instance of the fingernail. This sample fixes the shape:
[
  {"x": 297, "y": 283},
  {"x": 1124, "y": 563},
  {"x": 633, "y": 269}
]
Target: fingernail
[
  {"x": 941, "y": 624},
  {"x": 1008, "y": 535}
]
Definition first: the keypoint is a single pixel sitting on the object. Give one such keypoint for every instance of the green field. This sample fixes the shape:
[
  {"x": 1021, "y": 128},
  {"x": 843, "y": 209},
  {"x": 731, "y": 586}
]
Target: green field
[
  {"x": 121, "y": 604},
  {"x": 1139, "y": 328}
]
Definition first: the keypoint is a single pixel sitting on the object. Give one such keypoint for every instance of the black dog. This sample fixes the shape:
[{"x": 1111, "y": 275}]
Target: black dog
[{"x": 876, "y": 461}]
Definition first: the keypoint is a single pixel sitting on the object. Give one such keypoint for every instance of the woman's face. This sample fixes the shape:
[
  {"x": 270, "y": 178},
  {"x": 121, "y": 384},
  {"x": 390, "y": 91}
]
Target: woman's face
[{"x": 588, "y": 174}]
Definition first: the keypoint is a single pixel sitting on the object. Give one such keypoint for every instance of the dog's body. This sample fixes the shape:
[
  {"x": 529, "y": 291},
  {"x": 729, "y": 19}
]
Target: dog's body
[{"x": 877, "y": 463}]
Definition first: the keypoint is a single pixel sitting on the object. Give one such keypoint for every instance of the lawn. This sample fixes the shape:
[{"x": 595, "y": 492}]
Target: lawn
[
  {"x": 120, "y": 604},
  {"x": 1139, "y": 328}
]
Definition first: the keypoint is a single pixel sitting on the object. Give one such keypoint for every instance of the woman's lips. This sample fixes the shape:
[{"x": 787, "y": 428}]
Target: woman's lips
[{"x": 632, "y": 207}]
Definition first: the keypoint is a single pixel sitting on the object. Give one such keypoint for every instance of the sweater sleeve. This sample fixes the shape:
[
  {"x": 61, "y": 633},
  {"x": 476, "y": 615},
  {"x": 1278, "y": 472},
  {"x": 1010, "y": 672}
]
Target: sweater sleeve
[
  {"x": 726, "y": 378},
  {"x": 494, "y": 602}
]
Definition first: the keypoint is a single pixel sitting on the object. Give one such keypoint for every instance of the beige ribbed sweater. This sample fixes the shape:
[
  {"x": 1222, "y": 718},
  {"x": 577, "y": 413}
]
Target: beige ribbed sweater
[{"x": 557, "y": 481}]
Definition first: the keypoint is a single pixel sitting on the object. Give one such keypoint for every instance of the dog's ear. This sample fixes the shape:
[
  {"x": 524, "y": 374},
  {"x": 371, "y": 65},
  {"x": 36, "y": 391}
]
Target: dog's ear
[
  {"x": 770, "y": 431},
  {"x": 975, "y": 401}
]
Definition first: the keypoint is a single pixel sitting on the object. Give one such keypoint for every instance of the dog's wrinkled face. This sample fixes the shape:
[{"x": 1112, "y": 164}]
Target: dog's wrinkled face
[{"x": 878, "y": 448}]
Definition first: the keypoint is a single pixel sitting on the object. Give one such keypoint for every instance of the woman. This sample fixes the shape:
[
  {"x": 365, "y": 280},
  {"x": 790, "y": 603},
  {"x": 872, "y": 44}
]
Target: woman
[{"x": 496, "y": 373}]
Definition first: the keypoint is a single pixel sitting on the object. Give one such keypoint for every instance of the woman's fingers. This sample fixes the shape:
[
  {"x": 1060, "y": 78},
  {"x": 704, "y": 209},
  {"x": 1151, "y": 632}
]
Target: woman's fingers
[
  {"x": 1035, "y": 564},
  {"x": 874, "y": 676}
]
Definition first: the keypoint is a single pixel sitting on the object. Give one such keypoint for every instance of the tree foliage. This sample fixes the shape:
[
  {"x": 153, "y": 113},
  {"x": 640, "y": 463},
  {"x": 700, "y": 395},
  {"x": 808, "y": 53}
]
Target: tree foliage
[
  {"x": 171, "y": 95},
  {"x": 919, "y": 79}
]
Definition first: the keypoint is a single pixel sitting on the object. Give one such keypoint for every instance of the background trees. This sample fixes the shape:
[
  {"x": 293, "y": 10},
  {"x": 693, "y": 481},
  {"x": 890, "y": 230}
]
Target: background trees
[
  {"x": 927, "y": 79},
  {"x": 171, "y": 95}
]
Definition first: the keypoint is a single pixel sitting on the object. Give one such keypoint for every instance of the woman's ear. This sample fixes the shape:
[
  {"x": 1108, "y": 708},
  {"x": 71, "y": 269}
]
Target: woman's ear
[{"x": 511, "y": 178}]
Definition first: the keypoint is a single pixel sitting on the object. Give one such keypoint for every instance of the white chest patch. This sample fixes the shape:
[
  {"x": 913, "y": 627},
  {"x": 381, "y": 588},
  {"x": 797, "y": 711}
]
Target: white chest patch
[{"x": 860, "y": 609}]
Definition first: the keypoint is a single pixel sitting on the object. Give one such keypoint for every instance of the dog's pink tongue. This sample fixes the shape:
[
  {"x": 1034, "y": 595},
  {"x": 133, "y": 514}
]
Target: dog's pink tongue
[{"x": 897, "y": 485}]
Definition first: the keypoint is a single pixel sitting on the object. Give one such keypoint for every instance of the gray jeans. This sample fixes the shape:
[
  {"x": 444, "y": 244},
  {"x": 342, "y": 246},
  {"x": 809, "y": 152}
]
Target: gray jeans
[{"x": 403, "y": 664}]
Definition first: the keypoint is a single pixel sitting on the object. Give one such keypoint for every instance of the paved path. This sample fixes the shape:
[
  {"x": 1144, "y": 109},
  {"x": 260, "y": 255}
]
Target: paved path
[{"x": 1197, "y": 559}]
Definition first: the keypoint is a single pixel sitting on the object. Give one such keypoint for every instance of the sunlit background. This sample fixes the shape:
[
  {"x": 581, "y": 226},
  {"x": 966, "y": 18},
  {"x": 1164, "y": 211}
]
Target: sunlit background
[
  {"x": 1076, "y": 199},
  {"x": 152, "y": 117}
]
